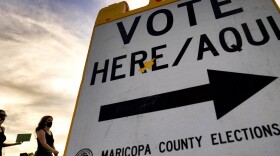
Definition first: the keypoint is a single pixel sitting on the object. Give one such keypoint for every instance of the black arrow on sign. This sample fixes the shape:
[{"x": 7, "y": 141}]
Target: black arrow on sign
[{"x": 226, "y": 89}]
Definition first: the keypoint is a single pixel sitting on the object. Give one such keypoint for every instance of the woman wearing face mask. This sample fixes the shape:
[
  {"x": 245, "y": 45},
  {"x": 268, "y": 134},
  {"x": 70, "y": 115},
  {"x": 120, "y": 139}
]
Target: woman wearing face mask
[
  {"x": 45, "y": 138},
  {"x": 3, "y": 116}
]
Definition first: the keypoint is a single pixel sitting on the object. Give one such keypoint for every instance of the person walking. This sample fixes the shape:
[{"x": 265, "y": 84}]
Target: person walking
[
  {"x": 3, "y": 116},
  {"x": 45, "y": 138}
]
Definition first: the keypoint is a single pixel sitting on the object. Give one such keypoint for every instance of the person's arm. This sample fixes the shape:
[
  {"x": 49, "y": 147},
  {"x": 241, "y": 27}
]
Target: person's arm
[
  {"x": 53, "y": 145},
  {"x": 55, "y": 149},
  {"x": 9, "y": 144},
  {"x": 42, "y": 138}
]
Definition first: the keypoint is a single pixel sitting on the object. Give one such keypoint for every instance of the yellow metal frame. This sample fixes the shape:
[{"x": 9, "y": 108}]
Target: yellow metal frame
[
  {"x": 78, "y": 97},
  {"x": 121, "y": 10},
  {"x": 276, "y": 5}
]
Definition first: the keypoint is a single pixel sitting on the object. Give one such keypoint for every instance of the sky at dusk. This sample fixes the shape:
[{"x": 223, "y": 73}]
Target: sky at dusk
[{"x": 43, "y": 47}]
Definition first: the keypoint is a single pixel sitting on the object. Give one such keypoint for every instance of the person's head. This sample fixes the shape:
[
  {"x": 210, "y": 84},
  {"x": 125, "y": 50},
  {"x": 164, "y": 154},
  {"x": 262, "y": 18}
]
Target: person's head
[
  {"x": 3, "y": 116},
  {"x": 45, "y": 121}
]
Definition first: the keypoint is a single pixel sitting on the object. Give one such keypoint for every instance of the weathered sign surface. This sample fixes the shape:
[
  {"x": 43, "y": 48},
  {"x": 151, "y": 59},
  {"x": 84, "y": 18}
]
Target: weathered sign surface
[{"x": 193, "y": 77}]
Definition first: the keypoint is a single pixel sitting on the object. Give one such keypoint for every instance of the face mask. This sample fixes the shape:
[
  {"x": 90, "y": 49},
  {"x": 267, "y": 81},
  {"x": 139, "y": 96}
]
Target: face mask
[
  {"x": 49, "y": 124},
  {"x": 2, "y": 117}
]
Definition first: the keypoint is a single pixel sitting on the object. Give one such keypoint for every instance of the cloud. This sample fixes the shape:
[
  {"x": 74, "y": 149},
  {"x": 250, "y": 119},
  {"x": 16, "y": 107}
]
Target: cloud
[{"x": 43, "y": 51}]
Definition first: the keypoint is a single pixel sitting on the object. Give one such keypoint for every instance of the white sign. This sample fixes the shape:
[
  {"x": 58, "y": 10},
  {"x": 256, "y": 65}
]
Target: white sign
[{"x": 194, "y": 77}]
